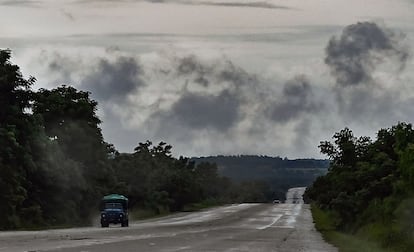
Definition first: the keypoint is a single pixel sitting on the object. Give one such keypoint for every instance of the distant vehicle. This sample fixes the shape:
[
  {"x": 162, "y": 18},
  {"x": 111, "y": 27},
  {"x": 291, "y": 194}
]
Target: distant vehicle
[
  {"x": 114, "y": 209},
  {"x": 276, "y": 201}
]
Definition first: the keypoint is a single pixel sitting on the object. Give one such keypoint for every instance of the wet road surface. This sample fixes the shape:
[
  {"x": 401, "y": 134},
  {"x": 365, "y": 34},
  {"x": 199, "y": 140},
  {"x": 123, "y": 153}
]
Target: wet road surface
[{"x": 242, "y": 227}]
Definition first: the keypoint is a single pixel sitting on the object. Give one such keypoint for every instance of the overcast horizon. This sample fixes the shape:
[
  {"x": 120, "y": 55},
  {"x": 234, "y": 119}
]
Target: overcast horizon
[{"x": 223, "y": 77}]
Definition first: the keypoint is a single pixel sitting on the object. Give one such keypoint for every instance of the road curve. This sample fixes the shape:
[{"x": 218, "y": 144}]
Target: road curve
[{"x": 242, "y": 227}]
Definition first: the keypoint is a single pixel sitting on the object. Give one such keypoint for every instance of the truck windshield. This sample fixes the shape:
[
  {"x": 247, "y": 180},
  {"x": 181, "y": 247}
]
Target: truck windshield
[{"x": 113, "y": 206}]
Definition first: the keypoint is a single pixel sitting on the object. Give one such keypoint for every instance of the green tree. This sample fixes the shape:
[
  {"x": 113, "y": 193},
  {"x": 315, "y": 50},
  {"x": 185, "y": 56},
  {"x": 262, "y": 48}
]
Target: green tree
[
  {"x": 70, "y": 120},
  {"x": 17, "y": 129},
  {"x": 370, "y": 185}
]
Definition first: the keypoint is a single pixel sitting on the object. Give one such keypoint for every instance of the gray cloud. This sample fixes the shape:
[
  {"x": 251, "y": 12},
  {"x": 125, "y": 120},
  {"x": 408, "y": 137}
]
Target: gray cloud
[
  {"x": 297, "y": 99},
  {"x": 21, "y": 3},
  {"x": 212, "y": 97},
  {"x": 243, "y": 4},
  {"x": 107, "y": 80},
  {"x": 361, "y": 47},
  {"x": 67, "y": 14},
  {"x": 188, "y": 100},
  {"x": 371, "y": 107},
  {"x": 113, "y": 80},
  {"x": 198, "y": 111},
  {"x": 60, "y": 66},
  {"x": 230, "y": 100},
  {"x": 265, "y": 5},
  {"x": 190, "y": 64},
  {"x": 199, "y": 94},
  {"x": 214, "y": 73},
  {"x": 353, "y": 59}
]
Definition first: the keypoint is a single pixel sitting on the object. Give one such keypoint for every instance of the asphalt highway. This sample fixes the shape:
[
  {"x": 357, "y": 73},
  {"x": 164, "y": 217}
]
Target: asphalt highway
[{"x": 241, "y": 227}]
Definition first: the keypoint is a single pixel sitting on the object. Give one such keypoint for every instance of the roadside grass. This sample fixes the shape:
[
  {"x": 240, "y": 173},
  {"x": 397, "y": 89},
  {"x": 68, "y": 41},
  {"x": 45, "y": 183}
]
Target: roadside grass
[
  {"x": 200, "y": 205},
  {"x": 135, "y": 214},
  {"x": 47, "y": 227},
  {"x": 325, "y": 224},
  {"x": 145, "y": 213}
]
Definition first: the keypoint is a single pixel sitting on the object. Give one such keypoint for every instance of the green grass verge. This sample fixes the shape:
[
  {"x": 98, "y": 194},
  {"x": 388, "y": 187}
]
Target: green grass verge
[
  {"x": 325, "y": 224},
  {"x": 200, "y": 206},
  {"x": 144, "y": 213}
]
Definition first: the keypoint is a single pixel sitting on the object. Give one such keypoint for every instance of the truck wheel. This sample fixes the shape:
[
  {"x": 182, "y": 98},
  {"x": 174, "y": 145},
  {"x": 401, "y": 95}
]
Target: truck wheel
[{"x": 103, "y": 224}]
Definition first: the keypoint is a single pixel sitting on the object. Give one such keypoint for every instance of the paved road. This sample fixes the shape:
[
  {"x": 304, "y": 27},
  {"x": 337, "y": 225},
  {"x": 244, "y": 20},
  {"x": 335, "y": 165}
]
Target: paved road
[
  {"x": 294, "y": 195},
  {"x": 243, "y": 227}
]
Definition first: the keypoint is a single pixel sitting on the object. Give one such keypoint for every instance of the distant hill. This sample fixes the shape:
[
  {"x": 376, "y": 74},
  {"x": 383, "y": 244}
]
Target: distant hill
[{"x": 280, "y": 174}]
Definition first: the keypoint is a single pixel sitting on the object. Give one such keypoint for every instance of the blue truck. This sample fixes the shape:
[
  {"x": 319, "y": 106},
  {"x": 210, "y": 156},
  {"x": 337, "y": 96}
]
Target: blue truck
[{"x": 114, "y": 210}]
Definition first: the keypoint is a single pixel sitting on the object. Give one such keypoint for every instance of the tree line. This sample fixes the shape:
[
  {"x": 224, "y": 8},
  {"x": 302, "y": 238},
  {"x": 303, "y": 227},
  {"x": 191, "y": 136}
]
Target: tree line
[
  {"x": 276, "y": 173},
  {"x": 369, "y": 189},
  {"x": 55, "y": 164}
]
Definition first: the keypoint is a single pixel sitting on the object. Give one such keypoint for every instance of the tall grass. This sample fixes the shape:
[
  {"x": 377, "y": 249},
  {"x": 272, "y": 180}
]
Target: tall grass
[{"x": 325, "y": 223}]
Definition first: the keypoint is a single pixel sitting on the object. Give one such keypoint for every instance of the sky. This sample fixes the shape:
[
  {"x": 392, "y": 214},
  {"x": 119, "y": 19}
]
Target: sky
[{"x": 223, "y": 77}]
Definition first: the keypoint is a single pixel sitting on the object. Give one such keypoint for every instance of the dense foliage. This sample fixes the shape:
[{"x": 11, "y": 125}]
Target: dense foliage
[
  {"x": 369, "y": 188},
  {"x": 53, "y": 160},
  {"x": 55, "y": 165},
  {"x": 155, "y": 180},
  {"x": 274, "y": 172}
]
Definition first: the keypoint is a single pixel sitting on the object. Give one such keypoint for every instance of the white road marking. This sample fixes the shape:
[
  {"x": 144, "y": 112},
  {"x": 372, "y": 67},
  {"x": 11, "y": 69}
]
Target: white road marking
[{"x": 271, "y": 224}]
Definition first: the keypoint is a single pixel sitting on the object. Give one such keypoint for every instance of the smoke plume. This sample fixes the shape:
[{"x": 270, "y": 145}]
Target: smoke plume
[{"x": 361, "y": 47}]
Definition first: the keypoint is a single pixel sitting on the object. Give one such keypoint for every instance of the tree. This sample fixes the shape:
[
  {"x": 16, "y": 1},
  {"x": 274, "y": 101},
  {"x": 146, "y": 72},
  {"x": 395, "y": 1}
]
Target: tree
[
  {"x": 70, "y": 120},
  {"x": 343, "y": 151},
  {"x": 367, "y": 179},
  {"x": 17, "y": 129}
]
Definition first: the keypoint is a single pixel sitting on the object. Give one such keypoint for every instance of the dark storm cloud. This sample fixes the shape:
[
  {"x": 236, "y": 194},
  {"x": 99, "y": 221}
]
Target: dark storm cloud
[
  {"x": 361, "y": 47},
  {"x": 113, "y": 80},
  {"x": 106, "y": 79},
  {"x": 190, "y": 64},
  {"x": 214, "y": 73},
  {"x": 217, "y": 106},
  {"x": 234, "y": 107},
  {"x": 198, "y": 111},
  {"x": 237, "y": 75},
  {"x": 243, "y": 97},
  {"x": 21, "y": 3},
  {"x": 297, "y": 99},
  {"x": 353, "y": 59}
]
